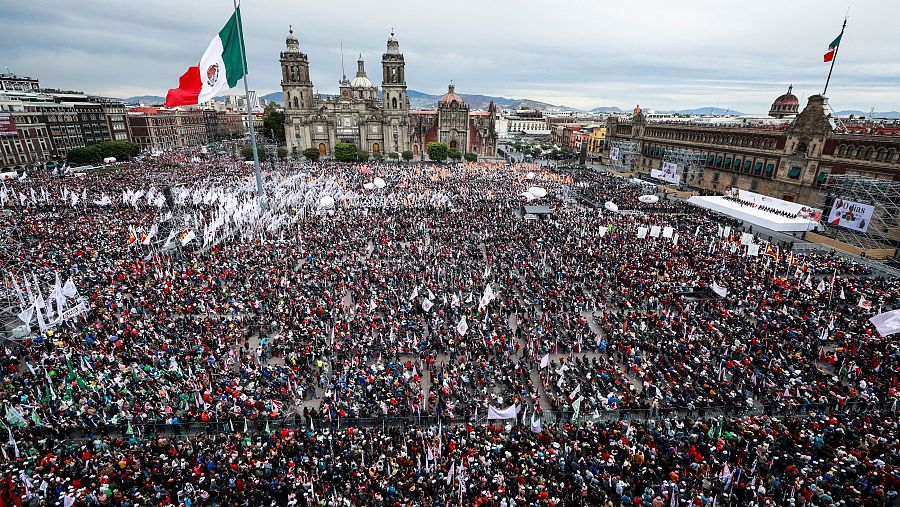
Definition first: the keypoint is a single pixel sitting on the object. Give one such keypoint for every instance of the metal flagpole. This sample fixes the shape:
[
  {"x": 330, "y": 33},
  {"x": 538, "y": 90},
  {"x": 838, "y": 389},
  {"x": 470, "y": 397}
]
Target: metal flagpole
[
  {"x": 836, "y": 49},
  {"x": 260, "y": 190}
]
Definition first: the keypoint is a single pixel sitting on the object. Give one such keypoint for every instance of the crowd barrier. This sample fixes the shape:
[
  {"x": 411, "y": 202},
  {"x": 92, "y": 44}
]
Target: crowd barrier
[{"x": 187, "y": 429}]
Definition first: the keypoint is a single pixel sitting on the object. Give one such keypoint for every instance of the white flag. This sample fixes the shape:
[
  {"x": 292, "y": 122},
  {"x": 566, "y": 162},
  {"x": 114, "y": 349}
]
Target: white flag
[
  {"x": 69, "y": 289},
  {"x": 26, "y": 315},
  {"x": 866, "y": 305},
  {"x": 462, "y": 327},
  {"x": 427, "y": 304},
  {"x": 821, "y": 286},
  {"x": 187, "y": 236},
  {"x": 535, "y": 423},
  {"x": 545, "y": 361}
]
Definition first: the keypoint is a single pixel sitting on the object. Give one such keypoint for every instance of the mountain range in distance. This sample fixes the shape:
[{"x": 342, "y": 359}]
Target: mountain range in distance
[{"x": 422, "y": 100}]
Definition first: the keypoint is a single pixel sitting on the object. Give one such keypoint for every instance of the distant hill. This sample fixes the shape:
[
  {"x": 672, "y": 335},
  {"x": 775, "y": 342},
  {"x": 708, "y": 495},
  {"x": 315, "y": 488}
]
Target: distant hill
[
  {"x": 422, "y": 100},
  {"x": 606, "y": 109},
  {"x": 147, "y": 99},
  {"x": 276, "y": 97},
  {"x": 887, "y": 115},
  {"x": 703, "y": 110}
]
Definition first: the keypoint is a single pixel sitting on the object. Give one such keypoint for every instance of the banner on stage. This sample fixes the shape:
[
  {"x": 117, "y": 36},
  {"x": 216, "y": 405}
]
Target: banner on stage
[{"x": 668, "y": 173}]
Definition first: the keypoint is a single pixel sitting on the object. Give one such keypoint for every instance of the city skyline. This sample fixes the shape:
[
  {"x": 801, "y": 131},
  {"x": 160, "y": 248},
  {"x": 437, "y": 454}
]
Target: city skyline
[{"x": 658, "y": 55}]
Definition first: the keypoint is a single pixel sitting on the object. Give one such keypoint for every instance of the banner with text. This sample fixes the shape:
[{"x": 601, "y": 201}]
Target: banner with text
[{"x": 850, "y": 214}]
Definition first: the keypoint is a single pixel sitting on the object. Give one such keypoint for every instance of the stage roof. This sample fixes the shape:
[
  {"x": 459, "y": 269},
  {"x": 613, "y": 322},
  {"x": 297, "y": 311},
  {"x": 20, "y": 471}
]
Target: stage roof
[{"x": 754, "y": 216}]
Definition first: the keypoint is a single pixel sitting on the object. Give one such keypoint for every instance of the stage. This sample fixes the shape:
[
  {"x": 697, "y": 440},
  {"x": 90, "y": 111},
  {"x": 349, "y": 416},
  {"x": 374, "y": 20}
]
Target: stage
[{"x": 752, "y": 215}]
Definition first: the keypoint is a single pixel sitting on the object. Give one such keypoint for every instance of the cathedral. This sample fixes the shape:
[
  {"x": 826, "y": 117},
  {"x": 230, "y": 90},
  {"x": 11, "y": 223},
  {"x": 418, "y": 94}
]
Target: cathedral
[{"x": 379, "y": 123}]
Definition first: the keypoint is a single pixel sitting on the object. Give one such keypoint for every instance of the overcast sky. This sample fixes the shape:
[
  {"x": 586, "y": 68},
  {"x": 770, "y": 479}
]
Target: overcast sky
[{"x": 581, "y": 53}]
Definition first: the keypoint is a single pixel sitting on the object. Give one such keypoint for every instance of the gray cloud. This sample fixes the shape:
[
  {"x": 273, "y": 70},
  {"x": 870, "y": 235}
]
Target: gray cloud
[{"x": 581, "y": 53}]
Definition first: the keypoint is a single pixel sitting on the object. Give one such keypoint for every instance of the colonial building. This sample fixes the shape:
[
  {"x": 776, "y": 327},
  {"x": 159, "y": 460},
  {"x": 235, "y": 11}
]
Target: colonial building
[
  {"x": 378, "y": 123},
  {"x": 156, "y": 128},
  {"x": 789, "y": 156}
]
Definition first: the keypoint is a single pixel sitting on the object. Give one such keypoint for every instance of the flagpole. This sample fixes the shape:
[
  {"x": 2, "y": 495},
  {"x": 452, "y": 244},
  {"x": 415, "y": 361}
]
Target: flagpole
[
  {"x": 834, "y": 58},
  {"x": 260, "y": 190}
]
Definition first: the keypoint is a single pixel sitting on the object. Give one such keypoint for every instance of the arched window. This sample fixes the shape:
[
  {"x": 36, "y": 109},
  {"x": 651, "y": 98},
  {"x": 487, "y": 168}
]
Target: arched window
[
  {"x": 296, "y": 103},
  {"x": 870, "y": 153},
  {"x": 842, "y": 149},
  {"x": 882, "y": 153},
  {"x": 394, "y": 103},
  {"x": 892, "y": 155}
]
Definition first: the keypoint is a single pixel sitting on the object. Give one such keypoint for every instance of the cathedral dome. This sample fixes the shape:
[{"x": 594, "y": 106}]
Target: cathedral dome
[
  {"x": 451, "y": 97},
  {"x": 361, "y": 81},
  {"x": 785, "y": 105}
]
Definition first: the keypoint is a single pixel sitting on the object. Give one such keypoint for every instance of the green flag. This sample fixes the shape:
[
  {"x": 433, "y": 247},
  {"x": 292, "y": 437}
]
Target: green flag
[{"x": 836, "y": 42}]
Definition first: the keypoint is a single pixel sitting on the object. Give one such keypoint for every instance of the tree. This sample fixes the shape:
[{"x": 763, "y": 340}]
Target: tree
[
  {"x": 247, "y": 152},
  {"x": 536, "y": 151},
  {"x": 121, "y": 150},
  {"x": 282, "y": 152},
  {"x": 438, "y": 151},
  {"x": 471, "y": 157},
  {"x": 378, "y": 156},
  {"x": 394, "y": 155},
  {"x": 407, "y": 155},
  {"x": 273, "y": 122},
  {"x": 84, "y": 155},
  {"x": 345, "y": 152},
  {"x": 454, "y": 154},
  {"x": 362, "y": 155},
  {"x": 311, "y": 154}
]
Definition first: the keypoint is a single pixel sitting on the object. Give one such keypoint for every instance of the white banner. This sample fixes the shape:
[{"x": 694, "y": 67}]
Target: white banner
[
  {"x": 614, "y": 154},
  {"x": 850, "y": 214},
  {"x": 718, "y": 289},
  {"x": 503, "y": 413}
]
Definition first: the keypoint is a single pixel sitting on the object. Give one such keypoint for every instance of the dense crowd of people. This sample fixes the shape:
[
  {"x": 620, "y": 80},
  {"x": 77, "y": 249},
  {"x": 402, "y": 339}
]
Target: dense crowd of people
[{"x": 309, "y": 338}]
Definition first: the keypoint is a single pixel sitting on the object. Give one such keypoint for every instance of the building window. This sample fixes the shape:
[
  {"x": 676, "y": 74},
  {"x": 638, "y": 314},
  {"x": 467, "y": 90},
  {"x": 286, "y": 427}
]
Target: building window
[{"x": 794, "y": 173}]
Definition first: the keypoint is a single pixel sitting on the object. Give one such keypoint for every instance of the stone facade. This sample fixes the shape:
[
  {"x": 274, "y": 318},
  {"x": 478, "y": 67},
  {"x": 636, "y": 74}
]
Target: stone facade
[
  {"x": 379, "y": 125},
  {"x": 789, "y": 160}
]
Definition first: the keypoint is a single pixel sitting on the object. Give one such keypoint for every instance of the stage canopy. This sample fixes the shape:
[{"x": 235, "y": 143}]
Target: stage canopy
[{"x": 755, "y": 216}]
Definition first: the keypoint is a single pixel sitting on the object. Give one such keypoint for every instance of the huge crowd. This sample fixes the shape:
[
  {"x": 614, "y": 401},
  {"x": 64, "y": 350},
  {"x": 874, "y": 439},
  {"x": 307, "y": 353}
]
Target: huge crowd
[{"x": 342, "y": 344}]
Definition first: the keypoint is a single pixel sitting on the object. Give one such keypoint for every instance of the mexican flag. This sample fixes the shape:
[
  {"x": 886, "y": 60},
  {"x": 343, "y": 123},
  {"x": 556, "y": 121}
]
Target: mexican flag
[
  {"x": 221, "y": 66},
  {"x": 832, "y": 48}
]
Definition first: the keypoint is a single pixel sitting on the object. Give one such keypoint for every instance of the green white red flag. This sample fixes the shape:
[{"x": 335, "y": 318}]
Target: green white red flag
[
  {"x": 832, "y": 48},
  {"x": 221, "y": 66}
]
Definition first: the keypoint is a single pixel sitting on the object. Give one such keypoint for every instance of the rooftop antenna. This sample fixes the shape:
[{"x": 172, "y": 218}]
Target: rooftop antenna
[{"x": 343, "y": 72}]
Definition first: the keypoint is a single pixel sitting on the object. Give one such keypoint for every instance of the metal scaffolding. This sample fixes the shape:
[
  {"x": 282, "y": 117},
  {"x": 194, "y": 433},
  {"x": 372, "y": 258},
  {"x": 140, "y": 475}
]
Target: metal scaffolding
[
  {"x": 686, "y": 160},
  {"x": 884, "y": 195},
  {"x": 627, "y": 152}
]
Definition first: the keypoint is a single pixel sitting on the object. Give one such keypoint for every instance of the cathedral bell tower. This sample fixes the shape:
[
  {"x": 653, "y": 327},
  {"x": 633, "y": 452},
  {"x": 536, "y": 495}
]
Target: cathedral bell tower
[
  {"x": 295, "y": 83},
  {"x": 395, "y": 102},
  {"x": 298, "y": 94}
]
